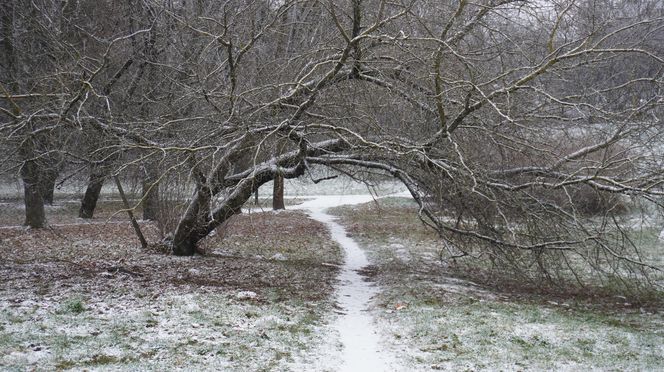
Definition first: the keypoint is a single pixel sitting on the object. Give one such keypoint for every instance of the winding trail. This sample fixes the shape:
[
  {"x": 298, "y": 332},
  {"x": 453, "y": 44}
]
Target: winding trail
[{"x": 358, "y": 335}]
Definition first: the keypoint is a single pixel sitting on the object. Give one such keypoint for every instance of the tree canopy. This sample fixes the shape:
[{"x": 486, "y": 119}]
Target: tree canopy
[{"x": 523, "y": 129}]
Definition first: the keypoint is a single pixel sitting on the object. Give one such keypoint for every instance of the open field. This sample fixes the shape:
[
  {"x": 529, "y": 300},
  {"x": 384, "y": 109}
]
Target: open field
[
  {"x": 82, "y": 295},
  {"x": 437, "y": 317}
]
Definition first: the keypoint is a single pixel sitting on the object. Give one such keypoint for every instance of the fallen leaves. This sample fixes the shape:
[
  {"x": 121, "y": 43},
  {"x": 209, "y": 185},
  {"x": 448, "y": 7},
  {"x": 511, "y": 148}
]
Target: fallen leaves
[
  {"x": 400, "y": 306},
  {"x": 97, "y": 258}
]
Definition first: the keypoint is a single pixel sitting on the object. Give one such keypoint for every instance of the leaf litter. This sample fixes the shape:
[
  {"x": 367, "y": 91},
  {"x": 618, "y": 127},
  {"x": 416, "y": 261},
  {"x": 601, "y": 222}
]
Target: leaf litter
[{"x": 86, "y": 296}]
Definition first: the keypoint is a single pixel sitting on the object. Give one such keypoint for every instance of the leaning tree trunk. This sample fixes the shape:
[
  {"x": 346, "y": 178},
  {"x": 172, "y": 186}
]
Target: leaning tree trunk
[
  {"x": 150, "y": 194},
  {"x": 193, "y": 225},
  {"x": 199, "y": 220},
  {"x": 278, "y": 193},
  {"x": 92, "y": 192}
]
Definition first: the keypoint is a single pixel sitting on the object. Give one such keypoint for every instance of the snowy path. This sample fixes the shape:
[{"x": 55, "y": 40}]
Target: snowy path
[{"x": 359, "y": 337}]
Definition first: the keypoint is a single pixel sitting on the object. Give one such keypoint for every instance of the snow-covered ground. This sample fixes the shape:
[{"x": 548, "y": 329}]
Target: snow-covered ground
[
  {"x": 432, "y": 321},
  {"x": 362, "y": 348},
  {"x": 281, "y": 292}
]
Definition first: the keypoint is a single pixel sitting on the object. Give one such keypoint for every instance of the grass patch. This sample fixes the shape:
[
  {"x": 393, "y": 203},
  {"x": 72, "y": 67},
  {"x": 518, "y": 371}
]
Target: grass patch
[{"x": 73, "y": 306}]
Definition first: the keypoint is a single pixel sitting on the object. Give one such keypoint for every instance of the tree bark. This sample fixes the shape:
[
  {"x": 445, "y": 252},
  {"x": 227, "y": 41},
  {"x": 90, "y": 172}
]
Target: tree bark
[
  {"x": 193, "y": 225},
  {"x": 6, "y": 31},
  {"x": 278, "y": 193},
  {"x": 47, "y": 185},
  {"x": 185, "y": 244},
  {"x": 92, "y": 192},
  {"x": 150, "y": 194},
  {"x": 35, "y": 215}
]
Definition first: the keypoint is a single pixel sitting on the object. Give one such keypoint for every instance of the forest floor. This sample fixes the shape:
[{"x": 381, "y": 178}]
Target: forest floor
[{"x": 82, "y": 295}]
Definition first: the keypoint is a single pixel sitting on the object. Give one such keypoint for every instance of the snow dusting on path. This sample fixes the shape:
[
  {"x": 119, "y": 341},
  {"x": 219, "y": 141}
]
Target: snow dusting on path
[{"x": 358, "y": 335}]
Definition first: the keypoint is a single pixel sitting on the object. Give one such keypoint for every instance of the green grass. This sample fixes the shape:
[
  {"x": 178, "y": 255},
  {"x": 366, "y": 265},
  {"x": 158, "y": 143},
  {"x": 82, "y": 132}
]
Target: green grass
[{"x": 74, "y": 306}]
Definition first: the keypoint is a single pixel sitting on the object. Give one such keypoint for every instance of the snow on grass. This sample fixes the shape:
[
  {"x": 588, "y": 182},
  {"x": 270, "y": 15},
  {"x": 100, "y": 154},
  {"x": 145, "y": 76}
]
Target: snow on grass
[
  {"x": 361, "y": 343},
  {"x": 13, "y": 189},
  {"x": 86, "y": 297},
  {"x": 192, "y": 331},
  {"x": 342, "y": 185},
  {"x": 435, "y": 321},
  {"x": 493, "y": 335}
]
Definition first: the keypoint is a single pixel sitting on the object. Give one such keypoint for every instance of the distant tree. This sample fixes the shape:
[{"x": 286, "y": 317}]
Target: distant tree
[{"x": 278, "y": 193}]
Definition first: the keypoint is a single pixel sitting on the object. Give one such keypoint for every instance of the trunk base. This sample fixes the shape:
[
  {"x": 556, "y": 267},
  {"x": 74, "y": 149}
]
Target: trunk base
[{"x": 183, "y": 249}]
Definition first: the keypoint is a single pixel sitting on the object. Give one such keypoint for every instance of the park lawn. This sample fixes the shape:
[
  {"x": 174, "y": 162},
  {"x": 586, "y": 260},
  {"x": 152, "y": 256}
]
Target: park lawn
[
  {"x": 436, "y": 316},
  {"x": 86, "y": 296}
]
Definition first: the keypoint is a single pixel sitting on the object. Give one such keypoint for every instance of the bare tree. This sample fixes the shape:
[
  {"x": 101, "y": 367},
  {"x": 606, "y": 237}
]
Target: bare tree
[{"x": 521, "y": 128}]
